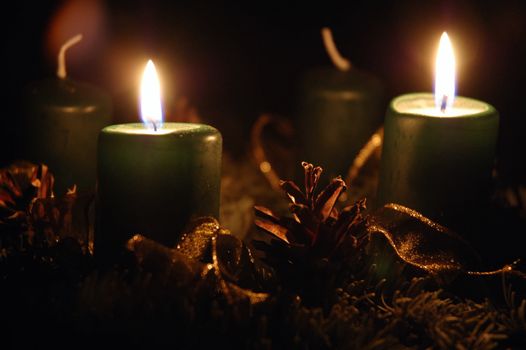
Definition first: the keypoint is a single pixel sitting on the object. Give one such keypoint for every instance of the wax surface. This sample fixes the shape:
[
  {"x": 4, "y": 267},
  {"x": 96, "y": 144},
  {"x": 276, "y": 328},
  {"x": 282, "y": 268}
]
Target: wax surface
[
  {"x": 338, "y": 113},
  {"x": 155, "y": 183},
  {"x": 163, "y": 129},
  {"x": 438, "y": 166},
  {"x": 424, "y": 104},
  {"x": 61, "y": 122}
]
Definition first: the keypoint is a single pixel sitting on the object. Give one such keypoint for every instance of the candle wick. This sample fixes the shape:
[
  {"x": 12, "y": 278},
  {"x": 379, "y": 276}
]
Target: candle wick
[
  {"x": 61, "y": 70},
  {"x": 154, "y": 124},
  {"x": 339, "y": 61},
  {"x": 443, "y": 104}
]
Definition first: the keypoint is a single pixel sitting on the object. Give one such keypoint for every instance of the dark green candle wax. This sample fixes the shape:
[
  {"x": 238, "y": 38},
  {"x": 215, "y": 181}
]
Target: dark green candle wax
[
  {"x": 153, "y": 182},
  {"x": 62, "y": 120},
  {"x": 438, "y": 163},
  {"x": 61, "y": 123},
  {"x": 338, "y": 113}
]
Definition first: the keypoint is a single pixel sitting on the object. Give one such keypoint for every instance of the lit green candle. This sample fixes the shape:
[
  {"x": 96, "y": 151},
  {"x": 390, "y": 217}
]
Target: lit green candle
[
  {"x": 438, "y": 150},
  {"x": 154, "y": 177}
]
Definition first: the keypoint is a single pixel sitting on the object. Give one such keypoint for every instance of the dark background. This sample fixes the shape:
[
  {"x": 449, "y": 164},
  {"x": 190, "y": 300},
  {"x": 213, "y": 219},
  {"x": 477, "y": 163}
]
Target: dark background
[{"x": 235, "y": 61}]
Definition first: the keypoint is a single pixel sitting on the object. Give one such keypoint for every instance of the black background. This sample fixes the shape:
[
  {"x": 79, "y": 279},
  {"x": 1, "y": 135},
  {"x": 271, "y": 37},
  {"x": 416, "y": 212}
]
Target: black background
[{"x": 237, "y": 60}]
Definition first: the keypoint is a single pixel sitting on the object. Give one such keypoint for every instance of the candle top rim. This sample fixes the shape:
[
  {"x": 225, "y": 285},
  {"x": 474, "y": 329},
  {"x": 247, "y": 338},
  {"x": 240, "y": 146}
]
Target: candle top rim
[
  {"x": 332, "y": 79},
  {"x": 423, "y": 104},
  {"x": 66, "y": 93},
  {"x": 168, "y": 128}
]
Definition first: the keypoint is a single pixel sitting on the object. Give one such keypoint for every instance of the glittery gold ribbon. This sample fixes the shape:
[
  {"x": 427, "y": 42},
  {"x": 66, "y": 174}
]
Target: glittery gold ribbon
[
  {"x": 370, "y": 147},
  {"x": 265, "y": 166},
  {"x": 206, "y": 250},
  {"x": 258, "y": 150},
  {"x": 427, "y": 245}
]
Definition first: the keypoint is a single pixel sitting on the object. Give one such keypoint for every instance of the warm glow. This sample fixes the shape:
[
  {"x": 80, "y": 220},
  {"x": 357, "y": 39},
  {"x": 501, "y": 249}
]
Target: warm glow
[
  {"x": 151, "y": 111},
  {"x": 444, "y": 75}
]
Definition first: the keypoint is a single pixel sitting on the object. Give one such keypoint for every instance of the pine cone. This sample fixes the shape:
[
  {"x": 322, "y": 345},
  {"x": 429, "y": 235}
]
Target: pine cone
[{"x": 319, "y": 240}]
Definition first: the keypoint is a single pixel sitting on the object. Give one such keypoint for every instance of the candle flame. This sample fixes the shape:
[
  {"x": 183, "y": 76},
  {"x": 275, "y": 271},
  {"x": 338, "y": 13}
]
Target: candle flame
[
  {"x": 444, "y": 75},
  {"x": 151, "y": 111}
]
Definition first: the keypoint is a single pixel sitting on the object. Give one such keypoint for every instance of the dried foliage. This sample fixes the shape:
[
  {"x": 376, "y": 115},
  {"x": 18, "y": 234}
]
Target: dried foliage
[
  {"x": 31, "y": 217},
  {"x": 20, "y": 184}
]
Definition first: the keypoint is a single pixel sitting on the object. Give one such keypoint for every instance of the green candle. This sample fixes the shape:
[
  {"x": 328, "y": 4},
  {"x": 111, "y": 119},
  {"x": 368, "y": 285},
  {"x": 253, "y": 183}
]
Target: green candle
[
  {"x": 340, "y": 108},
  {"x": 154, "y": 178},
  {"x": 438, "y": 153},
  {"x": 62, "y": 120}
]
